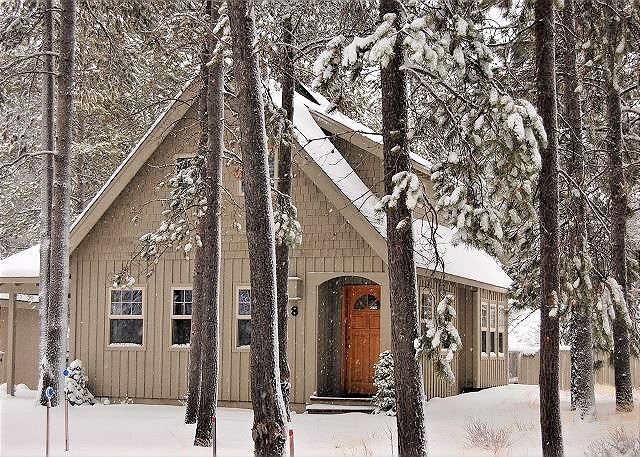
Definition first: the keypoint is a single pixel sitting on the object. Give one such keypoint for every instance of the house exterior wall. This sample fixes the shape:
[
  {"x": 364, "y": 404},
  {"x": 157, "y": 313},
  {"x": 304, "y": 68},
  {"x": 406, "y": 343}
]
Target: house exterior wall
[{"x": 155, "y": 370}]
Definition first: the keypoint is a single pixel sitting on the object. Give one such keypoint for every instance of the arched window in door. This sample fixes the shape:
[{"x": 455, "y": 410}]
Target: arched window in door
[{"x": 367, "y": 302}]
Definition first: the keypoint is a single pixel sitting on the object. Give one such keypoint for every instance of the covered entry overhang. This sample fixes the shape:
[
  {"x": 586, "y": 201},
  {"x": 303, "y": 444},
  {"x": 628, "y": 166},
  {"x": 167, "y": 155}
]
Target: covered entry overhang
[{"x": 19, "y": 324}]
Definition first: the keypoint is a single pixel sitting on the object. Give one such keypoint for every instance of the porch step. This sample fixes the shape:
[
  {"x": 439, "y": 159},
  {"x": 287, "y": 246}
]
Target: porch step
[{"x": 339, "y": 405}]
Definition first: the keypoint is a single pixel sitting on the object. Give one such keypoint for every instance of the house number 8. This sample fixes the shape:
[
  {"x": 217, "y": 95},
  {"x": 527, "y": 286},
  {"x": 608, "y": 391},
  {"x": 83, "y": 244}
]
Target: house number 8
[{"x": 294, "y": 310}]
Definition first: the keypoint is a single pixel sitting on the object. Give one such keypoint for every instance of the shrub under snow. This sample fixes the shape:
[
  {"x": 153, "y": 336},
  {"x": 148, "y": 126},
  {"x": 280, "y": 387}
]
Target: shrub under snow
[
  {"x": 385, "y": 399},
  {"x": 76, "y": 386}
]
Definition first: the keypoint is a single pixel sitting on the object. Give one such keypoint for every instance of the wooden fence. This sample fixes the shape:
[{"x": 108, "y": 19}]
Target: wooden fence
[{"x": 524, "y": 368}]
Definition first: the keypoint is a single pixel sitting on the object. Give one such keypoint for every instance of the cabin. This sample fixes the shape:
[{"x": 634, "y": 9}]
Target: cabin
[{"x": 134, "y": 343}]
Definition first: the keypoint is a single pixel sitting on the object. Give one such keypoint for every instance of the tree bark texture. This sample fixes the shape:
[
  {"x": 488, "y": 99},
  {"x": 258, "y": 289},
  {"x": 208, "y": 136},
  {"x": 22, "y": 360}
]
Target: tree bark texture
[
  {"x": 617, "y": 210},
  {"x": 269, "y": 418},
  {"x": 284, "y": 200},
  {"x": 195, "y": 348},
  {"x": 46, "y": 183},
  {"x": 402, "y": 271},
  {"x": 582, "y": 393},
  {"x": 550, "y": 424},
  {"x": 211, "y": 246},
  {"x": 55, "y": 346}
]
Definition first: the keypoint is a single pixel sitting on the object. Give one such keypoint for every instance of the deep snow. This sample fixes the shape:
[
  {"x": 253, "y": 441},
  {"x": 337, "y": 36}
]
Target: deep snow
[{"x": 146, "y": 430}]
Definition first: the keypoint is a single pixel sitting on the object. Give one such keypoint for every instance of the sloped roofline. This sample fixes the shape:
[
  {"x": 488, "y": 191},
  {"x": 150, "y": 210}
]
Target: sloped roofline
[{"x": 176, "y": 110}]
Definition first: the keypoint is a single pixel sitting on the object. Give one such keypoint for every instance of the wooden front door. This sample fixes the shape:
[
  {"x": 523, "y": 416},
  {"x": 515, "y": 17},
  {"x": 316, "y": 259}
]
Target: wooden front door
[{"x": 361, "y": 333}]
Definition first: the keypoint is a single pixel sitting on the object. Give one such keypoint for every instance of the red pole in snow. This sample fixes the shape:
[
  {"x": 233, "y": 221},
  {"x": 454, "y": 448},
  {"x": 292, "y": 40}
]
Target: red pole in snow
[
  {"x": 46, "y": 433},
  {"x": 214, "y": 435},
  {"x": 291, "y": 447}
]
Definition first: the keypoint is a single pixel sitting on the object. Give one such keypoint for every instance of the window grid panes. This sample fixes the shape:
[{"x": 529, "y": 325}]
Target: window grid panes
[
  {"x": 125, "y": 318},
  {"x": 181, "y": 308},
  {"x": 243, "y": 336},
  {"x": 427, "y": 306},
  {"x": 492, "y": 317},
  {"x": 484, "y": 315},
  {"x": 501, "y": 317}
]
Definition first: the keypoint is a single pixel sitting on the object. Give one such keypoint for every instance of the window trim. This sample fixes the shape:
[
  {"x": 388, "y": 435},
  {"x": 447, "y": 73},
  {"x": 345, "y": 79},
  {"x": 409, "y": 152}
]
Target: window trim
[
  {"x": 117, "y": 346},
  {"x": 172, "y": 346},
  {"x": 485, "y": 329},
  {"x": 237, "y": 316},
  {"x": 427, "y": 292},
  {"x": 501, "y": 329}
]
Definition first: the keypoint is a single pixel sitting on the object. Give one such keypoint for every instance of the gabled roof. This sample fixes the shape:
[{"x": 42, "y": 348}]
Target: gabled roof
[{"x": 329, "y": 171}]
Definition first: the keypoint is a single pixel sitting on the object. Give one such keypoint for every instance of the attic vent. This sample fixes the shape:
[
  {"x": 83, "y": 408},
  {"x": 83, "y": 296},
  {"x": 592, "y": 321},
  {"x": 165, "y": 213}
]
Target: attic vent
[{"x": 301, "y": 90}]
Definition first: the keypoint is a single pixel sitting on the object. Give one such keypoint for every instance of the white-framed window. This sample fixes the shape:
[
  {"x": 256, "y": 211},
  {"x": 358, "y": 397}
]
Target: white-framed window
[
  {"x": 181, "y": 307},
  {"x": 243, "y": 316},
  {"x": 426, "y": 302},
  {"x": 126, "y": 322},
  {"x": 501, "y": 322},
  {"x": 272, "y": 172},
  {"x": 484, "y": 324},
  {"x": 492, "y": 322}
]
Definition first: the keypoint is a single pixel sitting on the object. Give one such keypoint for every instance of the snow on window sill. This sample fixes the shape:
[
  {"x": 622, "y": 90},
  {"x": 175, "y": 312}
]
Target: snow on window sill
[
  {"x": 246, "y": 348},
  {"x": 126, "y": 346},
  {"x": 180, "y": 347}
]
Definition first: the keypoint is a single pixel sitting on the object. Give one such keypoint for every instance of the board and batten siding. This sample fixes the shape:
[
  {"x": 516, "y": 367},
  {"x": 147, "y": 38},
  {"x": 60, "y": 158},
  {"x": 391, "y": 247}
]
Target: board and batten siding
[
  {"x": 157, "y": 371},
  {"x": 492, "y": 366}
]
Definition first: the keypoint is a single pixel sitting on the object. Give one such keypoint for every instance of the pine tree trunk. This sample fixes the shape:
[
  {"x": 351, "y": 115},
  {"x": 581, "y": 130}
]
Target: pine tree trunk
[
  {"x": 550, "y": 424},
  {"x": 269, "y": 419},
  {"x": 46, "y": 183},
  {"x": 284, "y": 200},
  {"x": 195, "y": 346},
  {"x": 582, "y": 393},
  {"x": 402, "y": 271},
  {"x": 55, "y": 346},
  {"x": 211, "y": 247},
  {"x": 618, "y": 211}
]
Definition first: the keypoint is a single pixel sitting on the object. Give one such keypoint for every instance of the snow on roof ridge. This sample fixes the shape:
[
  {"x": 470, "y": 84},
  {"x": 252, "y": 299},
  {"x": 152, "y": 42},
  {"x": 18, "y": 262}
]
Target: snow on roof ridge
[{"x": 460, "y": 260}]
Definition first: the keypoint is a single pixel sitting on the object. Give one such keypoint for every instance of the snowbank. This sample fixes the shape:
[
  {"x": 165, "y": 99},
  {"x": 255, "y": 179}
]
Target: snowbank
[{"x": 151, "y": 430}]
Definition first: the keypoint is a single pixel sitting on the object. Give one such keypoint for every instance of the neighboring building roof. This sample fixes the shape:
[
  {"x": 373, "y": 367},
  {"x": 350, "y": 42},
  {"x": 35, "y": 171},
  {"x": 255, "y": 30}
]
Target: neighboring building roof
[
  {"x": 327, "y": 169},
  {"x": 24, "y": 264}
]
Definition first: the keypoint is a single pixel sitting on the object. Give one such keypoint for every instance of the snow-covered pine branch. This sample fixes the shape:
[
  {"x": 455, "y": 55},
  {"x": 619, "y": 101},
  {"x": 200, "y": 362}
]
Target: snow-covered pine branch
[
  {"x": 440, "y": 339},
  {"x": 286, "y": 226},
  {"x": 407, "y": 190}
]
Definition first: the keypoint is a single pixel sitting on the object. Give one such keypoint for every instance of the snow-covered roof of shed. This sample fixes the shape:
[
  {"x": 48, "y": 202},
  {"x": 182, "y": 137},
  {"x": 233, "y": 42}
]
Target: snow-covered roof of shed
[{"x": 24, "y": 264}]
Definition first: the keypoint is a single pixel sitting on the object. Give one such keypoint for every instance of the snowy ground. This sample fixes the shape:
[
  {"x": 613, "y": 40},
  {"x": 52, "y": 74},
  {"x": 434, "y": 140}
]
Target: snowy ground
[{"x": 128, "y": 430}]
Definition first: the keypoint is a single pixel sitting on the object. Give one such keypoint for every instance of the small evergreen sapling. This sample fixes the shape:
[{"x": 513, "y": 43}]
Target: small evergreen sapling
[
  {"x": 440, "y": 339},
  {"x": 76, "y": 388},
  {"x": 385, "y": 399}
]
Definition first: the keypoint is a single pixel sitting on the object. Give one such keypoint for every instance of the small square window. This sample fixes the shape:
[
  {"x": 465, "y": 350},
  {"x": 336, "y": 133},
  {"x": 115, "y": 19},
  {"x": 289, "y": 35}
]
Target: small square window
[
  {"x": 483, "y": 341},
  {"x": 126, "y": 331},
  {"x": 492, "y": 342},
  {"x": 183, "y": 163},
  {"x": 501, "y": 343},
  {"x": 244, "y": 332},
  {"x": 180, "y": 331},
  {"x": 484, "y": 316}
]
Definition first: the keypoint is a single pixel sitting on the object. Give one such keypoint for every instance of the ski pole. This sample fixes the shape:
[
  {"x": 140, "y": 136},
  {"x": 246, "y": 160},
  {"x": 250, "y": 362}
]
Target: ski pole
[
  {"x": 49, "y": 392},
  {"x": 214, "y": 435},
  {"x": 66, "y": 414},
  {"x": 291, "y": 446}
]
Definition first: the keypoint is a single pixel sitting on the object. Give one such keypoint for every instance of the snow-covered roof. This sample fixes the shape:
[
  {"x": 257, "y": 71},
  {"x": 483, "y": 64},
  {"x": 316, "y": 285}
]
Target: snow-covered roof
[
  {"x": 459, "y": 260},
  {"x": 24, "y": 264}
]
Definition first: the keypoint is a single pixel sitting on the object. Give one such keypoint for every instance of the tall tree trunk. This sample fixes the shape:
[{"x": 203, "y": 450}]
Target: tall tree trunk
[
  {"x": 211, "y": 244},
  {"x": 582, "y": 393},
  {"x": 402, "y": 270},
  {"x": 195, "y": 346},
  {"x": 55, "y": 346},
  {"x": 550, "y": 424},
  {"x": 618, "y": 210},
  {"x": 269, "y": 418},
  {"x": 284, "y": 201},
  {"x": 46, "y": 183}
]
